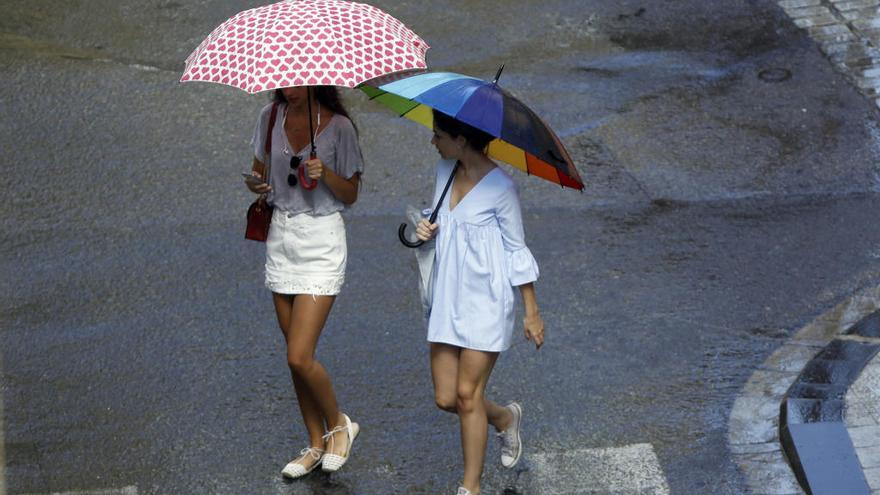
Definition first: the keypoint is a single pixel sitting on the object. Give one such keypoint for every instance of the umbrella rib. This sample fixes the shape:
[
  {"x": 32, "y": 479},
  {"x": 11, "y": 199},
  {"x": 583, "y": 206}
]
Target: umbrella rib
[
  {"x": 410, "y": 109},
  {"x": 378, "y": 94},
  {"x": 414, "y": 105}
]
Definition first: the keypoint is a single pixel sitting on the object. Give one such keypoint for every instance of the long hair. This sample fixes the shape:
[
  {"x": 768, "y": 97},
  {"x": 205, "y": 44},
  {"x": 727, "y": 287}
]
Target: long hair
[{"x": 327, "y": 96}]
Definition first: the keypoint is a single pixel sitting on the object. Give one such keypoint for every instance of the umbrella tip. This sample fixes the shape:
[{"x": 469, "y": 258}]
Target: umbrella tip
[{"x": 498, "y": 74}]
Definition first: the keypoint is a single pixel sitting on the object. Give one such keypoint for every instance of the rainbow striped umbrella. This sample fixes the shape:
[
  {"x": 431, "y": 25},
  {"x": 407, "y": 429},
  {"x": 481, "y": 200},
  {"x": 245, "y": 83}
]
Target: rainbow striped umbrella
[{"x": 523, "y": 140}]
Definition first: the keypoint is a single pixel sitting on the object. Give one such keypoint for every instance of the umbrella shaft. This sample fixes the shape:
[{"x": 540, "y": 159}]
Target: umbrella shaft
[
  {"x": 311, "y": 129},
  {"x": 443, "y": 194}
]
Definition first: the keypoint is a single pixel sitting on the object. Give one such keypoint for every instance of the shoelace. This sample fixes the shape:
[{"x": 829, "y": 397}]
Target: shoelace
[
  {"x": 507, "y": 438},
  {"x": 332, "y": 432},
  {"x": 329, "y": 435},
  {"x": 314, "y": 452}
]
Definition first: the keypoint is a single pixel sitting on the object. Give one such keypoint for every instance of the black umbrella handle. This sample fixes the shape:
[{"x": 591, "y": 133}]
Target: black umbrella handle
[
  {"x": 401, "y": 234},
  {"x": 401, "y": 231}
]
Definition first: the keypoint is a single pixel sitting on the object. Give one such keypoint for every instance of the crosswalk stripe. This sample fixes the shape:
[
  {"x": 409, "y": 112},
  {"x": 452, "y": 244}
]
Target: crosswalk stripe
[
  {"x": 631, "y": 469},
  {"x": 126, "y": 490}
]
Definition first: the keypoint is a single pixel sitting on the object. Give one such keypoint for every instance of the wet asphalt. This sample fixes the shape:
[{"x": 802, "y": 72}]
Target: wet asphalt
[{"x": 139, "y": 348}]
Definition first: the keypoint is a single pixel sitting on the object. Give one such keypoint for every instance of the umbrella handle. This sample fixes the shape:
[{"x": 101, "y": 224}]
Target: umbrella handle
[
  {"x": 402, "y": 229},
  {"x": 307, "y": 183},
  {"x": 401, "y": 234}
]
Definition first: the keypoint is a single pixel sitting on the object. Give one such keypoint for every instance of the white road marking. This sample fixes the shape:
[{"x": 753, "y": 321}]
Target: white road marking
[
  {"x": 126, "y": 490},
  {"x": 631, "y": 469}
]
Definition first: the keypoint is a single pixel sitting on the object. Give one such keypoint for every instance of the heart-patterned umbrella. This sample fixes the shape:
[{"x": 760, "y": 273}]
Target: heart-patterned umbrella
[{"x": 306, "y": 43}]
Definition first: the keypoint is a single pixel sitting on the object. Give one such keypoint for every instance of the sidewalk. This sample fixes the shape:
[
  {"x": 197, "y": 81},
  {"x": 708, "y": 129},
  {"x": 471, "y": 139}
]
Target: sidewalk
[
  {"x": 810, "y": 413},
  {"x": 863, "y": 412}
]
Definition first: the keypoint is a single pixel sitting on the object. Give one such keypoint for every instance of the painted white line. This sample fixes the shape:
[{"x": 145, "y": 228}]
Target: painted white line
[
  {"x": 126, "y": 490},
  {"x": 631, "y": 469}
]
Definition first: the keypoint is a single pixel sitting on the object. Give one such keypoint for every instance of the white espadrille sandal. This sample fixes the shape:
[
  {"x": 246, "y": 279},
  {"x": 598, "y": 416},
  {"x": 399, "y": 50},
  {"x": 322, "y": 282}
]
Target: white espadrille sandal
[
  {"x": 295, "y": 470},
  {"x": 332, "y": 462}
]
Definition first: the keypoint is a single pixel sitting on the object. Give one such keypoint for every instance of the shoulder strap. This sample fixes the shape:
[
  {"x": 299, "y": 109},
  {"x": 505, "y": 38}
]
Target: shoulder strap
[{"x": 268, "y": 147}]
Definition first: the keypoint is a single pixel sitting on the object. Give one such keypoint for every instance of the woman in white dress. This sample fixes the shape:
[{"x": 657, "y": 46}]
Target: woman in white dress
[{"x": 480, "y": 257}]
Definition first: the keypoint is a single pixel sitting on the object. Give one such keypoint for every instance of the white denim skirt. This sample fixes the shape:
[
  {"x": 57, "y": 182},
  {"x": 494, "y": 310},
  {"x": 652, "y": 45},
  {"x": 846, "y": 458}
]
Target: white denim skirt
[{"x": 306, "y": 254}]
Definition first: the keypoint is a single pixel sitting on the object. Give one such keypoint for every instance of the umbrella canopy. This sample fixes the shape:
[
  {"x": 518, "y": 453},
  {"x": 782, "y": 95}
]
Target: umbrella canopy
[
  {"x": 523, "y": 139},
  {"x": 305, "y": 43}
]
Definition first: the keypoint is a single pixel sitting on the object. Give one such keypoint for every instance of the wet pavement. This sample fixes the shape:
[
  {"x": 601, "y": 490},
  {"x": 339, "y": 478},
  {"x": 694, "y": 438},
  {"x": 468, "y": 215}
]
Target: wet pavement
[{"x": 722, "y": 212}]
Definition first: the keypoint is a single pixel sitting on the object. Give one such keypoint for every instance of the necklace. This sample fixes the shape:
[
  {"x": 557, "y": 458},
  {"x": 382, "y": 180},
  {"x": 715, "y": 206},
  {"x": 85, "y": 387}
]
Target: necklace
[{"x": 286, "y": 151}]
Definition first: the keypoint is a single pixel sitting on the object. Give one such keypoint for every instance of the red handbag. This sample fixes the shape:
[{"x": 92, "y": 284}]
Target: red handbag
[{"x": 259, "y": 213}]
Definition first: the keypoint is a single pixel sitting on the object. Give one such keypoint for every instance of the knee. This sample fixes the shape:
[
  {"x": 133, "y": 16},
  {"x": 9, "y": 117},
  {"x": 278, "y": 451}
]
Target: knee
[
  {"x": 300, "y": 363},
  {"x": 466, "y": 400},
  {"x": 445, "y": 402}
]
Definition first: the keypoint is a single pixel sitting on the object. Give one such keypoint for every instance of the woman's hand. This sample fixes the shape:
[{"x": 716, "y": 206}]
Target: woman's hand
[
  {"x": 533, "y": 326},
  {"x": 425, "y": 230},
  {"x": 258, "y": 188},
  {"x": 314, "y": 169}
]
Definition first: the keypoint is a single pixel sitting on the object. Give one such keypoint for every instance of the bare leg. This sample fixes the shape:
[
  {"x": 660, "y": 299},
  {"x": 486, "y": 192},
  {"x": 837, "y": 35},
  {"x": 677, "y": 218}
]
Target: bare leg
[
  {"x": 308, "y": 407},
  {"x": 312, "y": 383},
  {"x": 444, "y": 372},
  {"x": 473, "y": 374},
  {"x": 309, "y": 315},
  {"x": 499, "y": 417}
]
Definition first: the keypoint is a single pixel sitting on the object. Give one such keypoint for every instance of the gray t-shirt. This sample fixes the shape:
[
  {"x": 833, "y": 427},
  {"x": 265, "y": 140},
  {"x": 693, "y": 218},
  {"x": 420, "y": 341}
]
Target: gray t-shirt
[{"x": 337, "y": 147}]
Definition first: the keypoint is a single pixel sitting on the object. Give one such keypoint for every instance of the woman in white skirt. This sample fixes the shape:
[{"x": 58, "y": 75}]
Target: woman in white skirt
[
  {"x": 306, "y": 250},
  {"x": 480, "y": 256}
]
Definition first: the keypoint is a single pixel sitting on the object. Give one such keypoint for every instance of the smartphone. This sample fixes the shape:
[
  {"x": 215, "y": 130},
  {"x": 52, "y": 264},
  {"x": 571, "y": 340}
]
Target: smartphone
[{"x": 253, "y": 179}]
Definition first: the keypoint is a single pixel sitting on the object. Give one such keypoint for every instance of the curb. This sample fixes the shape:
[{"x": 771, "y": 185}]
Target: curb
[
  {"x": 812, "y": 427},
  {"x": 754, "y": 424}
]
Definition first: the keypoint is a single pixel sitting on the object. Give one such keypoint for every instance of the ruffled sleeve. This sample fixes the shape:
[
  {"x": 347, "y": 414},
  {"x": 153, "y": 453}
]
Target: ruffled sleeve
[{"x": 521, "y": 265}]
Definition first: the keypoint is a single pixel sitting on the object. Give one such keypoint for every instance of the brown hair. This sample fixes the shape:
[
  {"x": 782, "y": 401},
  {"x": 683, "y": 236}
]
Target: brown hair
[
  {"x": 475, "y": 138},
  {"x": 327, "y": 96}
]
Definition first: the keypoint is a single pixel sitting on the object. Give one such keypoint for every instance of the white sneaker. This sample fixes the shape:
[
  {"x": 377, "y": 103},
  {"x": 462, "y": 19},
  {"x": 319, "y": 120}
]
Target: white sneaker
[
  {"x": 462, "y": 491},
  {"x": 295, "y": 470},
  {"x": 511, "y": 444}
]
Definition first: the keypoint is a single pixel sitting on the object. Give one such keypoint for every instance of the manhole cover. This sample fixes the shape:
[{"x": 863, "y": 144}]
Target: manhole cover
[{"x": 774, "y": 75}]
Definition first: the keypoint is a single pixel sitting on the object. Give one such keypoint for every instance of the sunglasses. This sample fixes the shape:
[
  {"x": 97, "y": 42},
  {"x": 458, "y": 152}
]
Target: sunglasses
[{"x": 294, "y": 165}]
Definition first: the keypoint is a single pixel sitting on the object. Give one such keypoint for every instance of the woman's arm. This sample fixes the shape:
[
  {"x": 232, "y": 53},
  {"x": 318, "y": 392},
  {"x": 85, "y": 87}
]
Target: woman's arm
[
  {"x": 345, "y": 190},
  {"x": 349, "y": 162},
  {"x": 533, "y": 325}
]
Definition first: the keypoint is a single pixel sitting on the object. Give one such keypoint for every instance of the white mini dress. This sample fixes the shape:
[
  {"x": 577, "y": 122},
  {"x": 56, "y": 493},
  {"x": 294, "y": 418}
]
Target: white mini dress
[{"x": 480, "y": 257}]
